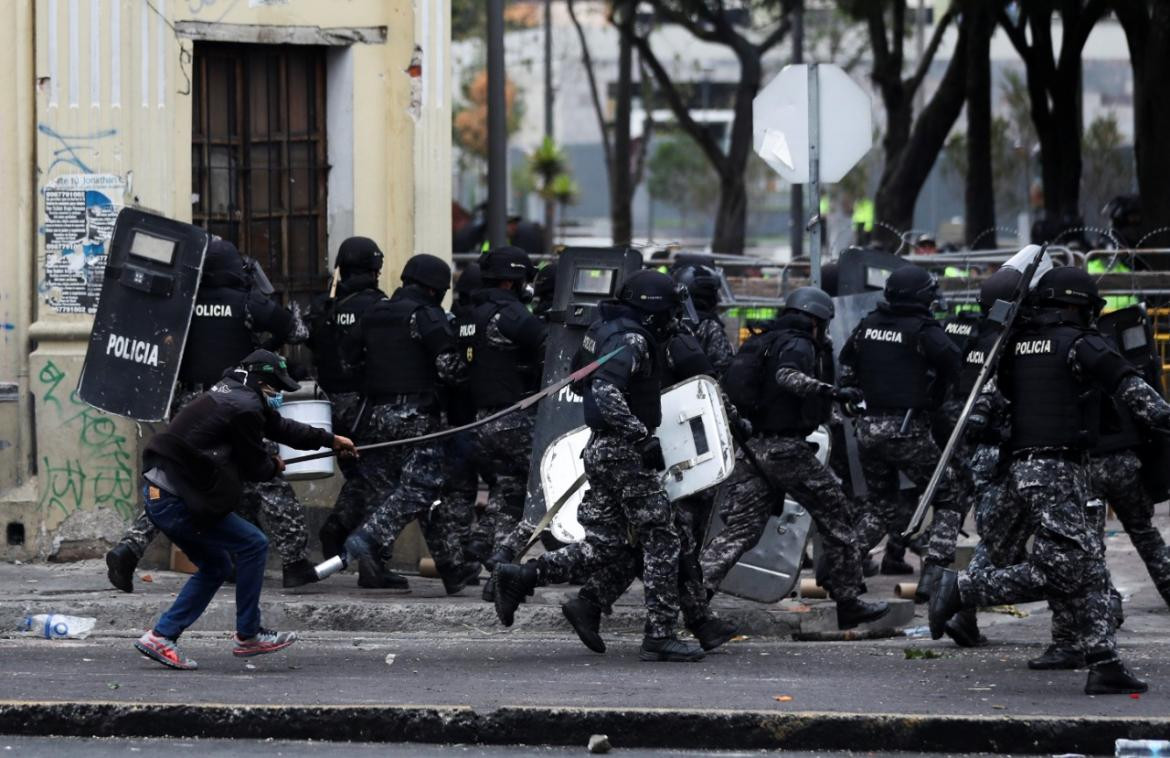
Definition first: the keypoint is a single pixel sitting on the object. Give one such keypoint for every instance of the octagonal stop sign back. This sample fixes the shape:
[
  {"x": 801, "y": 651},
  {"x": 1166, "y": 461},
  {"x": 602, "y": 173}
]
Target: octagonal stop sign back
[{"x": 780, "y": 123}]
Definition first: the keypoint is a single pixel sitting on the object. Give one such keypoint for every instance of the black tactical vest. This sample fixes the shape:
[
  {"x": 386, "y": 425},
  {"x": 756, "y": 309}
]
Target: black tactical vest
[
  {"x": 891, "y": 368},
  {"x": 220, "y": 335},
  {"x": 781, "y": 412},
  {"x": 395, "y": 362},
  {"x": 496, "y": 376},
  {"x": 1050, "y": 407},
  {"x": 643, "y": 393},
  {"x": 682, "y": 357},
  {"x": 974, "y": 356},
  {"x": 339, "y": 322}
]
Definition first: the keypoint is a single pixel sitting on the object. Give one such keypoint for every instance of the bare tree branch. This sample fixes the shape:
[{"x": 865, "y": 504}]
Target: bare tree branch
[
  {"x": 915, "y": 81},
  {"x": 1015, "y": 34},
  {"x": 587, "y": 60},
  {"x": 696, "y": 29},
  {"x": 776, "y": 37}
]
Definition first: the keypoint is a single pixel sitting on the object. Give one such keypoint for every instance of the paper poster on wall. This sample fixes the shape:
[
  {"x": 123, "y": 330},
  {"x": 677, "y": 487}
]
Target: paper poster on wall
[{"x": 80, "y": 210}]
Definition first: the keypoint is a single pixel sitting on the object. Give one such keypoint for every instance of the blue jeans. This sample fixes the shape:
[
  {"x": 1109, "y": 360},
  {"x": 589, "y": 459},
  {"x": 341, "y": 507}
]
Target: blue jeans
[{"x": 211, "y": 546}]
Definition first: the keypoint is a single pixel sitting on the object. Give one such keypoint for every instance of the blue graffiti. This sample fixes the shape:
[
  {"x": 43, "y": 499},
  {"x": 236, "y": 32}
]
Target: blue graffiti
[{"x": 69, "y": 151}]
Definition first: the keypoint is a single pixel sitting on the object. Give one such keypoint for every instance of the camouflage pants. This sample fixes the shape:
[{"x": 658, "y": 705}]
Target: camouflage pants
[
  {"x": 503, "y": 450},
  {"x": 1116, "y": 479},
  {"x": 885, "y": 451},
  {"x": 1047, "y": 497},
  {"x": 408, "y": 482},
  {"x": 357, "y": 495},
  {"x": 273, "y": 505},
  {"x": 627, "y": 517},
  {"x": 791, "y": 465},
  {"x": 460, "y": 491}
]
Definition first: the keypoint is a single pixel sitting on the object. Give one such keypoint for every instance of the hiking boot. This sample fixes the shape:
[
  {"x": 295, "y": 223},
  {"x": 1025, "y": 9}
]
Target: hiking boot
[
  {"x": 713, "y": 632},
  {"x": 892, "y": 566},
  {"x": 164, "y": 650},
  {"x": 457, "y": 576},
  {"x": 298, "y": 574},
  {"x": 930, "y": 574},
  {"x": 373, "y": 575},
  {"x": 856, "y": 611},
  {"x": 1113, "y": 678},
  {"x": 332, "y": 536},
  {"x": 669, "y": 649},
  {"x": 265, "y": 641},
  {"x": 513, "y": 585},
  {"x": 585, "y": 618},
  {"x": 963, "y": 628},
  {"x": 120, "y": 564},
  {"x": 1057, "y": 658},
  {"x": 944, "y": 602}
]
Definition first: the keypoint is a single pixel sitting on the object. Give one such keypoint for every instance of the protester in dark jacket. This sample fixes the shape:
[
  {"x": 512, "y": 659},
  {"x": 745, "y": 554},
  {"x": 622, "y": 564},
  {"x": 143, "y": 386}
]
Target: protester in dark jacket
[{"x": 193, "y": 478}]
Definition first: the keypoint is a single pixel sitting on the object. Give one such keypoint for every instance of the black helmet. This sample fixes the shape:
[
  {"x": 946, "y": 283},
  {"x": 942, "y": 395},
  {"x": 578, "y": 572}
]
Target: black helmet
[
  {"x": 701, "y": 281},
  {"x": 811, "y": 300},
  {"x": 469, "y": 280},
  {"x": 268, "y": 367},
  {"x": 545, "y": 283},
  {"x": 223, "y": 256},
  {"x": 505, "y": 263},
  {"x": 359, "y": 254},
  {"x": 999, "y": 286},
  {"x": 1068, "y": 285},
  {"x": 427, "y": 270},
  {"x": 650, "y": 292},
  {"x": 911, "y": 284}
]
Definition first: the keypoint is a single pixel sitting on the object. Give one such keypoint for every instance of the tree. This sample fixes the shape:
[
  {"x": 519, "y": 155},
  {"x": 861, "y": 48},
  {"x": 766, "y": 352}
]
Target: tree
[
  {"x": 1054, "y": 88},
  {"x": 1147, "y": 31},
  {"x": 979, "y": 198},
  {"x": 1108, "y": 171},
  {"x": 547, "y": 164},
  {"x": 710, "y": 21},
  {"x": 910, "y": 145},
  {"x": 680, "y": 176}
]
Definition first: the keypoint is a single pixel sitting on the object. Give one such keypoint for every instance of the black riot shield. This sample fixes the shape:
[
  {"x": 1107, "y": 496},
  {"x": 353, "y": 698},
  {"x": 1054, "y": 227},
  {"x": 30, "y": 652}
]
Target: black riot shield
[
  {"x": 152, "y": 275},
  {"x": 585, "y": 277},
  {"x": 1130, "y": 331},
  {"x": 865, "y": 270}
]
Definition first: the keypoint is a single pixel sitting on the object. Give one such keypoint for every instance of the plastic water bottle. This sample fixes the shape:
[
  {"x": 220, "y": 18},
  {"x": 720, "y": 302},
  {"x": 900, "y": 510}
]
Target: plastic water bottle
[
  {"x": 1141, "y": 747},
  {"x": 53, "y": 626}
]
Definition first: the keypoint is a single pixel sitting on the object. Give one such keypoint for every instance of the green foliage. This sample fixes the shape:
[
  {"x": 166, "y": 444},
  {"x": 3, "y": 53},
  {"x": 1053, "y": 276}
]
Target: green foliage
[
  {"x": 547, "y": 161},
  {"x": 1106, "y": 169},
  {"x": 681, "y": 176},
  {"x": 563, "y": 190}
]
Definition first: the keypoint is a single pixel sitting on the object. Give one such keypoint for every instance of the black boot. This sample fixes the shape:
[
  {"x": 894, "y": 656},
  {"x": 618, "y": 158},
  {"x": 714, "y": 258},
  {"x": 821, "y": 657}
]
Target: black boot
[
  {"x": 963, "y": 628},
  {"x": 930, "y": 574},
  {"x": 1057, "y": 658},
  {"x": 457, "y": 576},
  {"x": 373, "y": 575},
  {"x": 513, "y": 585},
  {"x": 298, "y": 574},
  {"x": 489, "y": 588},
  {"x": 856, "y": 611},
  {"x": 895, "y": 566},
  {"x": 1109, "y": 676},
  {"x": 713, "y": 632},
  {"x": 669, "y": 649},
  {"x": 332, "y": 536},
  {"x": 869, "y": 567},
  {"x": 944, "y": 602},
  {"x": 120, "y": 564},
  {"x": 585, "y": 617}
]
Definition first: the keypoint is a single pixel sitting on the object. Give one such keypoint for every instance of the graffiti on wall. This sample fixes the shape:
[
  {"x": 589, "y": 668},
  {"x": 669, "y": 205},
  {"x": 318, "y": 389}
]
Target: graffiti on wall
[
  {"x": 80, "y": 210},
  {"x": 98, "y": 472}
]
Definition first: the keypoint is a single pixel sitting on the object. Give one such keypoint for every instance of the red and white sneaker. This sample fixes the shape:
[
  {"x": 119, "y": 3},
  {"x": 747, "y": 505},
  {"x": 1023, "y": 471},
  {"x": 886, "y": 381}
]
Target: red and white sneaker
[
  {"x": 165, "y": 651},
  {"x": 266, "y": 641}
]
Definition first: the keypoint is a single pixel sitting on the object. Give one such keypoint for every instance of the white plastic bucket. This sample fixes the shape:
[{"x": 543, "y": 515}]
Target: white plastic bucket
[{"x": 316, "y": 413}]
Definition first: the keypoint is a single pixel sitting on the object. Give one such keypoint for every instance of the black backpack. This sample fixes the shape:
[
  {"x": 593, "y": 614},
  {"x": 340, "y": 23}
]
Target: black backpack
[{"x": 745, "y": 378}]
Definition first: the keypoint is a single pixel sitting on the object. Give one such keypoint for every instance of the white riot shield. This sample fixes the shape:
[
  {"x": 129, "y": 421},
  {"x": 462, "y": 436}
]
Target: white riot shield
[
  {"x": 768, "y": 572},
  {"x": 696, "y": 443}
]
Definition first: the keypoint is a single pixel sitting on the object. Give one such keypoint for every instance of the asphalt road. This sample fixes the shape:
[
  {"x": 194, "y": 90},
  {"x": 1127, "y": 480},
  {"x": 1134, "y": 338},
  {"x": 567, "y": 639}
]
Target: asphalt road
[{"x": 545, "y": 670}]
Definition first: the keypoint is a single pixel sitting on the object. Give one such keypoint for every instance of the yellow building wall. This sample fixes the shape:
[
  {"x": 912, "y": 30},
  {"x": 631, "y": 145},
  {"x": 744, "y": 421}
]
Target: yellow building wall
[{"x": 101, "y": 99}]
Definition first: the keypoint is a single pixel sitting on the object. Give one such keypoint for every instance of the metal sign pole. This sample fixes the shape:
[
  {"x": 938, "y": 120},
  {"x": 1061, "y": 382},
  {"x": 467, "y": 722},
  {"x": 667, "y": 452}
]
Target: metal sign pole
[{"x": 814, "y": 173}]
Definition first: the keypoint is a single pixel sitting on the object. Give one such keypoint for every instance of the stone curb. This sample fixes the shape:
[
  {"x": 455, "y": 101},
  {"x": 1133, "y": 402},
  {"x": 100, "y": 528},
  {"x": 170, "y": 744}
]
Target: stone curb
[{"x": 626, "y": 727}]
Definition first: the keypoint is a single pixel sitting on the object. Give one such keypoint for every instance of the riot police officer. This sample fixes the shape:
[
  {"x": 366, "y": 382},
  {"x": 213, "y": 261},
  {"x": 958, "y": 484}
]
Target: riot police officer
[
  {"x": 229, "y": 315},
  {"x": 904, "y": 364},
  {"x": 503, "y": 344},
  {"x": 703, "y": 284},
  {"x": 1055, "y": 367},
  {"x": 792, "y": 402},
  {"x": 622, "y": 460},
  {"x": 333, "y": 319},
  {"x": 406, "y": 347}
]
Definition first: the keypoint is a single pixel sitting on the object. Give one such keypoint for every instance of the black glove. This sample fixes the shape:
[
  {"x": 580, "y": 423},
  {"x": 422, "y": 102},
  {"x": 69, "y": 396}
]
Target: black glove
[
  {"x": 743, "y": 428},
  {"x": 651, "y": 451},
  {"x": 847, "y": 395},
  {"x": 977, "y": 425}
]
